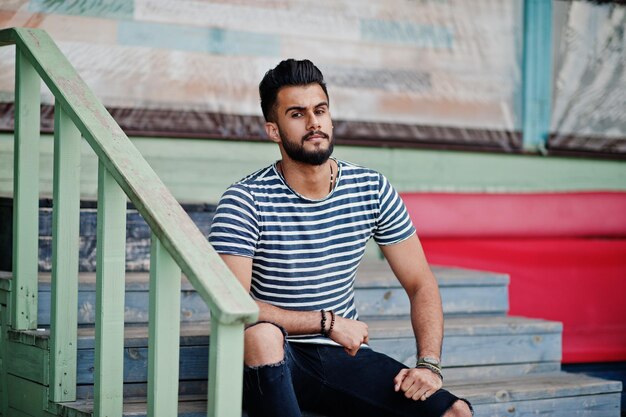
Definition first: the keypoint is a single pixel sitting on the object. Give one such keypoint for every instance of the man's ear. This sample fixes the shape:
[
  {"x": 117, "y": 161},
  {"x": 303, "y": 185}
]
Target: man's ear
[{"x": 271, "y": 129}]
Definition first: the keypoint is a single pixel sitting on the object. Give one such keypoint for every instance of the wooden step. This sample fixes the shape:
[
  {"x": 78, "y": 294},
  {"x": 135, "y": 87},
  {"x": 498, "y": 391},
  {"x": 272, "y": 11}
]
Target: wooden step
[
  {"x": 557, "y": 394},
  {"x": 463, "y": 291},
  {"x": 474, "y": 347},
  {"x": 378, "y": 294}
]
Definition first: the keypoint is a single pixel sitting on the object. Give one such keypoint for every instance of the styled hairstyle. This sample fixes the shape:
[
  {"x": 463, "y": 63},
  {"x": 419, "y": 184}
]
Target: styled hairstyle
[{"x": 289, "y": 72}]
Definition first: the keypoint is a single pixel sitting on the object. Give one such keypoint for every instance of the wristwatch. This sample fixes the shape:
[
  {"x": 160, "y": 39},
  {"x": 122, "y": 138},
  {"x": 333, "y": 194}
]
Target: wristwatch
[
  {"x": 431, "y": 363},
  {"x": 430, "y": 360}
]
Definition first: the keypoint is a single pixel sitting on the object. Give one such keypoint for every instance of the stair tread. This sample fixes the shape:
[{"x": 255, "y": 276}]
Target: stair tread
[
  {"x": 533, "y": 387},
  {"x": 371, "y": 274},
  {"x": 485, "y": 391},
  {"x": 194, "y": 332}
]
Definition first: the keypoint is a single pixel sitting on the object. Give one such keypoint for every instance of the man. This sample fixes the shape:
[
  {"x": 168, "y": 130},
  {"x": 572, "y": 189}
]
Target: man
[{"x": 293, "y": 234}]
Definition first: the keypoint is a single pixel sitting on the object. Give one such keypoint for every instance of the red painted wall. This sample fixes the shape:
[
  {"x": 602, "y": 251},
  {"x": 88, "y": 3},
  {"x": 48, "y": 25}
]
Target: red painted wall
[{"x": 565, "y": 253}]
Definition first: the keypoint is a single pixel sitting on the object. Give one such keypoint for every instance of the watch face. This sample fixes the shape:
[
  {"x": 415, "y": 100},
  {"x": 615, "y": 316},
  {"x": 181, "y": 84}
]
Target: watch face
[{"x": 430, "y": 360}]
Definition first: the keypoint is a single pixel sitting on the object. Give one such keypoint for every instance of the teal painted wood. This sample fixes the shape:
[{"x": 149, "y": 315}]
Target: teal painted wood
[
  {"x": 65, "y": 224},
  {"x": 110, "y": 275},
  {"x": 225, "y": 369},
  {"x": 187, "y": 245},
  {"x": 537, "y": 74},
  {"x": 26, "y": 193},
  {"x": 164, "y": 329}
]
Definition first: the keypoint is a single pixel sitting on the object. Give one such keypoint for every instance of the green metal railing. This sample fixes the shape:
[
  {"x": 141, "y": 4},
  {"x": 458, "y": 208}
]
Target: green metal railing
[{"x": 177, "y": 245}]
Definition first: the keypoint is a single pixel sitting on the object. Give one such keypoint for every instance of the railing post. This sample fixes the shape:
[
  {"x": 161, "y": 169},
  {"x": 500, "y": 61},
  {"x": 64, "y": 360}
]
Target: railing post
[
  {"x": 110, "y": 287},
  {"x": 25, "y": 194},
  {"x": 225, "y": 369},
  {"x": 65, "y": 225},
  {"x": 164, "y": 328}
]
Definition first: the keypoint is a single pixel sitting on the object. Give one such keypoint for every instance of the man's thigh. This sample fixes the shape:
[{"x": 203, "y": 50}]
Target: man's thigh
[{"x": 357, "y": 386}]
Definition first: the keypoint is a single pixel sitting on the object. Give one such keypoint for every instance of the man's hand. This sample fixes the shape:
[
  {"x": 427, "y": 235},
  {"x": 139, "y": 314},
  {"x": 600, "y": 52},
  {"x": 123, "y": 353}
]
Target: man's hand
[
  {"x": 349, "y": 334},
  {"x": 417, "y": 383}
]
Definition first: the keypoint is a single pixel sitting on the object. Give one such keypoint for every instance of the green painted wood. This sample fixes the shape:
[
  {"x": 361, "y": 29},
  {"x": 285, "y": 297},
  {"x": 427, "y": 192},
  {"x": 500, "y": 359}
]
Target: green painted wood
[
  {"x": 65, "y": 224},
  {"x": 537, "y": 74},
  {"x": 407, "y": 169},
  {"x": 110, "y": 296},
  {"x": 28, "y": 362},
  {"x": 37, "y": 337},
  {"x": 225, "y": 369},
  {"x": 26, "y": 192},
  {"x": 27, "y": 397},
  {"x": 210, "y": 276},
  {"x": 164, "y": 325},
  {"x": 4, "y": 396}
]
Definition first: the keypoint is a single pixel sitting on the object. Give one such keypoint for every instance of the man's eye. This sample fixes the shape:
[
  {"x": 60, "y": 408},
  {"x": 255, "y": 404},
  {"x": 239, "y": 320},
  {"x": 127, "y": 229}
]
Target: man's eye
[
  {"x": 320, "y": 111},
  {"x": 296, "y": 114}
]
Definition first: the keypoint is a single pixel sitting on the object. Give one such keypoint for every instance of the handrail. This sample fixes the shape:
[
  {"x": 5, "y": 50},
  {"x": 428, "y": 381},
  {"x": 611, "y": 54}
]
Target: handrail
[
  {"x": 187, "y": 245},
  {"x": 227, "y": 300}
]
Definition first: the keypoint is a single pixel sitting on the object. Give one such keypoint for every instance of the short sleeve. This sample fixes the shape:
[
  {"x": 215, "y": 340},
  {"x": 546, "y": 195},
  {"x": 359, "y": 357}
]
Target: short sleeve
[
  {"x": 394, "y": 224},
  {"x": 235, "y": 227}
]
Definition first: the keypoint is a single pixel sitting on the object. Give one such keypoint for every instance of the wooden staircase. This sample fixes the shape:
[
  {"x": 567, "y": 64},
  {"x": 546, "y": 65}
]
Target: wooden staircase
[{"x": 506, "y": 366}]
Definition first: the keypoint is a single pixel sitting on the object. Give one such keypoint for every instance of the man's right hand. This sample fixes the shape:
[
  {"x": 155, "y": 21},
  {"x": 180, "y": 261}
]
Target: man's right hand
[{"x": 350, "y": 334}]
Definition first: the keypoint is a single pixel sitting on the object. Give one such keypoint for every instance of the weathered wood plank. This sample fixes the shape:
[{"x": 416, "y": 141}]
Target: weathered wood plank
[
  {"x": 164, "y": 328},
  {"x": 28, "y": 397},
  {"x": 534, "y": 387},
  {"x": 28, "y": 362},
  {"x": 110, "y": 296},
  {"x": 602, "y": 405},
  {"x": 471, "y": 293},
  {"x": 65, "y": 223},
  {"x": 26, "y": 193},
  {"x": 39, "y": 338},
  {"x": 501, "y": 371}
]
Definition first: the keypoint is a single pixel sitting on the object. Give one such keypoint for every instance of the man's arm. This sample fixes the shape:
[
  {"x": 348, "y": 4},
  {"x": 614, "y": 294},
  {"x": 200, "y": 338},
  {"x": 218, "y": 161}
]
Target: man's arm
[
  {"x": 348, "y": 333},
  {"x": 408, "y": 262}
]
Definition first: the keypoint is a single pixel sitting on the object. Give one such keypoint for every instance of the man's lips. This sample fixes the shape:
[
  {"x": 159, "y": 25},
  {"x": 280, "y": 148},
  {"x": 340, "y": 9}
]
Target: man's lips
[{"x": 315, "y": 135}]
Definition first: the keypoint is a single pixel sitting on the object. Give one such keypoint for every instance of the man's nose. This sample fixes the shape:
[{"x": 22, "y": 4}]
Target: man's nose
[{"x": 313, "y": 123}]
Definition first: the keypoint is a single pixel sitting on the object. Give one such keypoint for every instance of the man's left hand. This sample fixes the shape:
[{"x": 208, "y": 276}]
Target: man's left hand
[{"x": 417, "y": 383}]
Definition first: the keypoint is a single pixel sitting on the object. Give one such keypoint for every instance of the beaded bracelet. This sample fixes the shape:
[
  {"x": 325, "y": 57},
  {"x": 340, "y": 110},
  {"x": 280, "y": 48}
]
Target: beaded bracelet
[
  {"x": 332, "y": 322},
  {"x": 323, "y": 323}
]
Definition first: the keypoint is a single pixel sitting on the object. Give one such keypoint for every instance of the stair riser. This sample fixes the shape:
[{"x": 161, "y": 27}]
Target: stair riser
[{"x": 463, "y": 355}]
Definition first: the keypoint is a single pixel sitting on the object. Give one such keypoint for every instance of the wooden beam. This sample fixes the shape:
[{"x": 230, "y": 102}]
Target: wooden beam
[
  {"x": 164, "y": 329},
  {"x": 65, "y": 225},
  {"x": 537, "y": 74},
  {"x": 26, "y": 194},
  {"x": 110, "y": 275}
]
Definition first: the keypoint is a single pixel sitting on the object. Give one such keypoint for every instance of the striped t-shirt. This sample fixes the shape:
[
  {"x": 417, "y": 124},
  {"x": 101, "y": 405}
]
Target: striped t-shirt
[{"x": 306, "y": 252}]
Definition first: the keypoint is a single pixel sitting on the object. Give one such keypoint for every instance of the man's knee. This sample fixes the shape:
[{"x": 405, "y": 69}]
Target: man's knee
[
  {"x": 459, "y": 409},
  {"x": 263, "y": 345}
]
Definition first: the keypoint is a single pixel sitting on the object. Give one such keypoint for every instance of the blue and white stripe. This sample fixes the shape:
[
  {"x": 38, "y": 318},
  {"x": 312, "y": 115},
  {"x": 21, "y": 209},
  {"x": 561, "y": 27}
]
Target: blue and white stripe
[{"x": 306, "y": 252}]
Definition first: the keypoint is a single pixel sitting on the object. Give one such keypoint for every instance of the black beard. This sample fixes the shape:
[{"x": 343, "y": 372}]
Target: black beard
[{"x": 297, "y": 152}]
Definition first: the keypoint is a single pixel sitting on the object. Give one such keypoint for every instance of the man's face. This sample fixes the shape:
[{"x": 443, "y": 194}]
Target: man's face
[{"x": 303, "y": 124}]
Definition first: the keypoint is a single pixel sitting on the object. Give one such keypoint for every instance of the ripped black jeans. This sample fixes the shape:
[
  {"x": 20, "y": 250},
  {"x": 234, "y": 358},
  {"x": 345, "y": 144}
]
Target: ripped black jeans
[{"x": 326, "y": 380}]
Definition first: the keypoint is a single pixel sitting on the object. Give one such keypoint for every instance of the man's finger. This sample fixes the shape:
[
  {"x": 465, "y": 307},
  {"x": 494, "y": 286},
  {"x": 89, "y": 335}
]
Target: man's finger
[{"x": 398, "y": 379}]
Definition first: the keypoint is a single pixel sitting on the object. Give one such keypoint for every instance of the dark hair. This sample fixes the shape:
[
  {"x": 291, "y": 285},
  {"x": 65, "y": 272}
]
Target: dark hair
[{"x": 288, "y": 73}]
